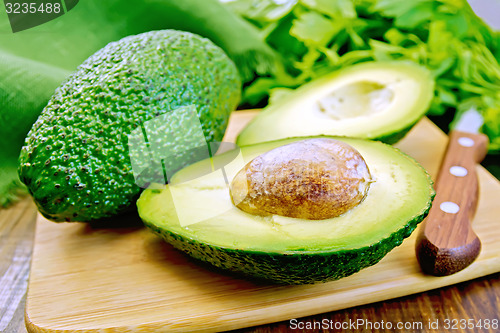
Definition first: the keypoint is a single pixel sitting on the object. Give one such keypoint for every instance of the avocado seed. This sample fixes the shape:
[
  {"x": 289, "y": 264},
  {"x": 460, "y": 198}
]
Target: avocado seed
[{"x": 311, "y": 179}]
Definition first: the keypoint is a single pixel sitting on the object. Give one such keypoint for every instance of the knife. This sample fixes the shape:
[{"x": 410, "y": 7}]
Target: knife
[{"x": 446, "y": 242}]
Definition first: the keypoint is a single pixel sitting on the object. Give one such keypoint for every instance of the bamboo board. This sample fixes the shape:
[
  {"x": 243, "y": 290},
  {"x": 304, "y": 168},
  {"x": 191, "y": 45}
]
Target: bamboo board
[{"x": 87, "y": 279}]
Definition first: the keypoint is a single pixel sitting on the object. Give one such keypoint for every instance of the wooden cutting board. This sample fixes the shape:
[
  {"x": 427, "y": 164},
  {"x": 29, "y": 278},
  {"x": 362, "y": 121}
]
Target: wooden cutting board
[{"x": 86, "y": 279}]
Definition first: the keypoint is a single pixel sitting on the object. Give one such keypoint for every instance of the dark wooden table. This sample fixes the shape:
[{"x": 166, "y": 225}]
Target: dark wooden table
[{"x": 470, "y": 304}]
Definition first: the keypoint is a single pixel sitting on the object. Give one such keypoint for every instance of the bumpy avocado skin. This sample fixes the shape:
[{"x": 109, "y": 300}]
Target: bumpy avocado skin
[
  {"x": 301, "y": 267},
  {"x": 75, "y": 161}
]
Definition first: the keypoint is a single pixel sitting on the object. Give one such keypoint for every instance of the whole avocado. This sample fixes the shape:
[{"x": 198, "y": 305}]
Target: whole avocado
[{"x": 75, "y": 160}]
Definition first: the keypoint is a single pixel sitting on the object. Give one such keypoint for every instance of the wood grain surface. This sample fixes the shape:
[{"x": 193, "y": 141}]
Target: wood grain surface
[
  {"x": 17, "y": 227},
  {"x": 476, "y": 300}
]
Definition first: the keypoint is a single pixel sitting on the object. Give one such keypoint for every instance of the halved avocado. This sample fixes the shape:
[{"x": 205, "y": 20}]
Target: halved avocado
[
  {"x": 195, "y": 214},
  {"x": 375, "y": 100}
]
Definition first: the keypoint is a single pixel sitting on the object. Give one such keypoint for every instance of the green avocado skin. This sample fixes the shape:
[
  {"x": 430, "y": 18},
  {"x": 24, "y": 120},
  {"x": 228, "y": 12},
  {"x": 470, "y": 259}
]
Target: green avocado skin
[
  {"x": 75, "y": 160},
  {"x": 300, "y": 267},
  {"x": 397, "y": 136}
]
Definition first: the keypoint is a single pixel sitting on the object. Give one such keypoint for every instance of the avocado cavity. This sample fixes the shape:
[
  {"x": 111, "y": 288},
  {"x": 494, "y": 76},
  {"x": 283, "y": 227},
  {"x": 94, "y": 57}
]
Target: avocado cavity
[{"x": 358, "y": 99}]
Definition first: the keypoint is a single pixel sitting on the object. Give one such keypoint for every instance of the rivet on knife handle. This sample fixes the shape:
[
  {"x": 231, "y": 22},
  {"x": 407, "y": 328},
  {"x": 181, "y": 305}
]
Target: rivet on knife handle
[{"x": 446, "y": 242}]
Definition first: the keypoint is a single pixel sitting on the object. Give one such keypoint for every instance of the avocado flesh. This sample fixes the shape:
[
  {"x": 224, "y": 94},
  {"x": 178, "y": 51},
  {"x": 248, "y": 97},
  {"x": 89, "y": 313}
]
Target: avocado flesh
[
  {"x": 381, "y": 101},
  {"x": 289, "y": 250},
  {"x": 76, "y": 161}
]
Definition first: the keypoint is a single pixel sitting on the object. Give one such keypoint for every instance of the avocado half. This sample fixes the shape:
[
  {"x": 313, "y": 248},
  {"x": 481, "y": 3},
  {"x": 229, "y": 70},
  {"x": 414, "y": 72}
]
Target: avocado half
[
  {"x": 376, "y": 100},
  {"x": 195, "y": 214}
]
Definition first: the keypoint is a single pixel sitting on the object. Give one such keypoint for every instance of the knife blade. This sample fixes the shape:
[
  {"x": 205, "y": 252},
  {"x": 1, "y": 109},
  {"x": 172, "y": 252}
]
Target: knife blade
[{"x": 446, "y": 242}]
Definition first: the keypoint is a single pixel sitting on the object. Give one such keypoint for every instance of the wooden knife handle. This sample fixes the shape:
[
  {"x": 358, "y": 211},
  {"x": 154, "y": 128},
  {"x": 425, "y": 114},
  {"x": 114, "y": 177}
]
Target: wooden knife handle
[{"x": 446, "y": 242}]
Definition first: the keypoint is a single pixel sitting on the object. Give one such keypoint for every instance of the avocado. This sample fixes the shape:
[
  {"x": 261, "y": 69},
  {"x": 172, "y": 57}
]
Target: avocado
[
  {"x": 75, "y": 161},
  {"x": 199, "y": 215},
  {"x": 373, "y": 100}
]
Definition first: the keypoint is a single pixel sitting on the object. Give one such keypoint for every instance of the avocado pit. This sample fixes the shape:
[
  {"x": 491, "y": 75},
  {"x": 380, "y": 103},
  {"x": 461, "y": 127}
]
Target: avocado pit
[{"x": 310, "y": 179}]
